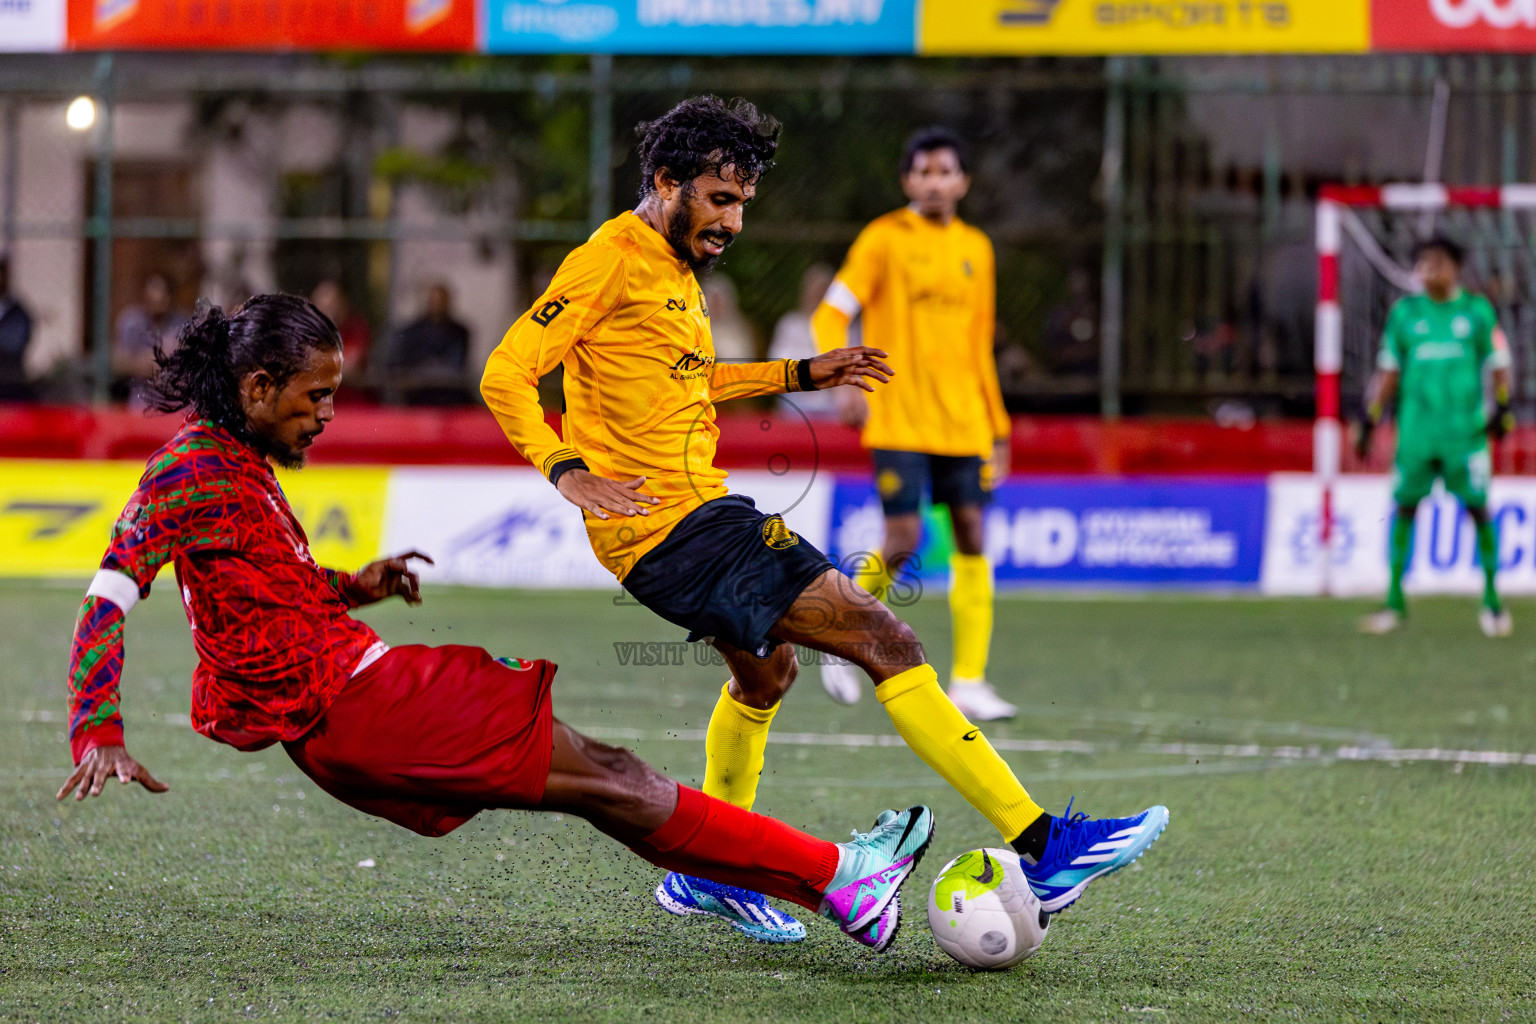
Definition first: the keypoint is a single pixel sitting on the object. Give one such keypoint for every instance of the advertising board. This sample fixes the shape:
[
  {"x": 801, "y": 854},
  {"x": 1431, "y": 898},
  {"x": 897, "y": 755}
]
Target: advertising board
[
  {"x": 436, "y": 25},
  {"x": 1444, "y": 559},
  {"x": 1143, "y": 26},
  {"x": 31, "y": 26},
  {"x": 1091, "y": 532},
  {"x": 713, "y": 27},
  {"x": 1440, "y": 26}
]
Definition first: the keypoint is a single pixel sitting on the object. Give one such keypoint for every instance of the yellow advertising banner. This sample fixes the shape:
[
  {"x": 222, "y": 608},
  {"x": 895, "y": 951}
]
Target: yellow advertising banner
[
  {"x": 56, "y": 516},
  {"x": 986, "y": 27}
]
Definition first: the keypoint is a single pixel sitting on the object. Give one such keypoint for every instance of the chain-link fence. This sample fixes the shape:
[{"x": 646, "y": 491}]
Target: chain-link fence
[{"x": 1152, "y": 217}]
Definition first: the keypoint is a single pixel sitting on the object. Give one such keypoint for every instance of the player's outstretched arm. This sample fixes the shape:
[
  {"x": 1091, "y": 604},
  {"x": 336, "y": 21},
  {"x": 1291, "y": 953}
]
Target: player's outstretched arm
[
  {"x": 388, "y": 577},
  {"x": 99, "y": 766},
  {"x": 95, "y": 672}
]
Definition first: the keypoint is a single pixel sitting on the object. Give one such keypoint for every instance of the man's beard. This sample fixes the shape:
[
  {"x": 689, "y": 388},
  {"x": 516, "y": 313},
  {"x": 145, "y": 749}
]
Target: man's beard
[
  {"x": 680, "y": 232},
  {"x": 277, "y": 452}
]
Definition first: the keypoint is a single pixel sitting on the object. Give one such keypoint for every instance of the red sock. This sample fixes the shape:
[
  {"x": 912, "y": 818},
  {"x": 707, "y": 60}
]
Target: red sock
[{"x": 722, "y": 842}]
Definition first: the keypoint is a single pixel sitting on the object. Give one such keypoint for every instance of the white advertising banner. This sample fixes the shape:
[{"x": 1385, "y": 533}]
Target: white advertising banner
[
  {"x": 1445, "y": 548},
  {"x": 510, "y": 528},
  {"x": 31, "y": 26}
]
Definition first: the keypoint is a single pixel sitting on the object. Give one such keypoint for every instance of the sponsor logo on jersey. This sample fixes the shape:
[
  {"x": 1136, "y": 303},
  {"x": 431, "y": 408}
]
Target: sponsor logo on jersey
[
  {"x": 135, "y": 519},
  {"x": 678, "y": 305},
  {"x": 777, "y": 534},
  {"x": 1438, "y": 351},
  {"x": 691, "y": 365},
  {"x": 551, "y": 309}
]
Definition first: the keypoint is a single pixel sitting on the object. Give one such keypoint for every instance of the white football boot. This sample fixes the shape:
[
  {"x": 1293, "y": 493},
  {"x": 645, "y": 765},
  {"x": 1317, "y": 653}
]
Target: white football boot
[
  {"x": 1495, "y": 623},
  {"x": 978, "y": 701},
  {"x": 841, "y": 679},
  {"x": 1380, "y": 623}
]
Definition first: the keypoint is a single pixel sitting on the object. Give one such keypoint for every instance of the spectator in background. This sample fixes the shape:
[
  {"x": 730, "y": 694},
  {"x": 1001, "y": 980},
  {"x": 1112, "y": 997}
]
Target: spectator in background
[
  {"x": 15, "y": 336},
  {"x": 153, "y": 321},
  {"x": 733, "y": 336},
  {"x": 792, "y": 339},
  {"x": 331, "y": 299},
  {"x": 1072, "y": 329},
  {"x": 431, "y": 353}
]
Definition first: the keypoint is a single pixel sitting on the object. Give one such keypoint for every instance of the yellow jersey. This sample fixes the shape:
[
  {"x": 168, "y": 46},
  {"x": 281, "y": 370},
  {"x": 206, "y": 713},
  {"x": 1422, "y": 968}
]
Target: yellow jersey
[
  {"x": 627, "y": 319},
  {"x": 927, "y": 294}
]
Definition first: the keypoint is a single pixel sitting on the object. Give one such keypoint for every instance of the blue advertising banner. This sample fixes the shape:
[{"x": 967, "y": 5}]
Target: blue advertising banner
[
  {"x": 700, "y": 26},
  {"x": 1087, "y": 532}
]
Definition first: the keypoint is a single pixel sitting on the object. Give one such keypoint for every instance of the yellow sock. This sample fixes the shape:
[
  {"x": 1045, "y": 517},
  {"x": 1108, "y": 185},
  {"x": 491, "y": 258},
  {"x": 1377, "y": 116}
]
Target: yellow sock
[
  {"x": 939, "y": 734},
  {"x": 970, "y": 607},
  {"x": 733, "y": 749},
  {"x": 873, "y": 576}
]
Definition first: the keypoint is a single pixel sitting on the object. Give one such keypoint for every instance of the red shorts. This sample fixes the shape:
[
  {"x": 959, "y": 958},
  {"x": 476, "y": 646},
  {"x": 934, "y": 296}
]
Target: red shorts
[{"x": 427, "y": 737}]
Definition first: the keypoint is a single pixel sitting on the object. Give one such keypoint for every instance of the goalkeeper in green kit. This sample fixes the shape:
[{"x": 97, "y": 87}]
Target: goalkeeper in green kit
[{"x": 1433, "y": 353}]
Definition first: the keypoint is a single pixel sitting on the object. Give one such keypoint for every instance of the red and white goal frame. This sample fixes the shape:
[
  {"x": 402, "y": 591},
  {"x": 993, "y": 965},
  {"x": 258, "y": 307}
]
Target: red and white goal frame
[{"x": 1328, "y": 345}]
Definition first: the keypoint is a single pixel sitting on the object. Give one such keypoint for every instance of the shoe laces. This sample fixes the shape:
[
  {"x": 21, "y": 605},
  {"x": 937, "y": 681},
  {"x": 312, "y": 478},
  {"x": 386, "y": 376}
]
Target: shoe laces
[
  {"x": 880, "y": 826},
  {"x": 1078, "y": 829}
]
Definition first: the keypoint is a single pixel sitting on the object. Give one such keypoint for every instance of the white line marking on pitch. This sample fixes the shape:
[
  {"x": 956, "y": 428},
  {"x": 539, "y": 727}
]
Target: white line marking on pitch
[
  {"x": 1381, "y": 753},
  {"x": 1393, "y": 755}
]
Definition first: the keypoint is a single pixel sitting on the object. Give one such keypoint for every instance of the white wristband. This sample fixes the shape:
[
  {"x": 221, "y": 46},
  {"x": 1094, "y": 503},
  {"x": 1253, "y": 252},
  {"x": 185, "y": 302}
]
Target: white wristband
[{"x": 115, "y": 587}]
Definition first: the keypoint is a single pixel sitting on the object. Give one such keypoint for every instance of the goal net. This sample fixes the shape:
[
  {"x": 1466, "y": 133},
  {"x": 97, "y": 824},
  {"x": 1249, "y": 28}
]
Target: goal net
[{"x": 1365, "y": 240}]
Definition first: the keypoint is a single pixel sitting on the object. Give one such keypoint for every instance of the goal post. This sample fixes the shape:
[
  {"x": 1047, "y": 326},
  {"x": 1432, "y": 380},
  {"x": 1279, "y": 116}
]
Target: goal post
[{"x": 1365, "y": 235}]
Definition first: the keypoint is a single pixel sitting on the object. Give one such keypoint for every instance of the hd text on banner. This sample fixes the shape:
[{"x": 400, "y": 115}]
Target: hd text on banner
[
  {"x": 977, "y": 27},
  {"x": 1087, "y": 533},
  {"x": 700, "y": 26}
]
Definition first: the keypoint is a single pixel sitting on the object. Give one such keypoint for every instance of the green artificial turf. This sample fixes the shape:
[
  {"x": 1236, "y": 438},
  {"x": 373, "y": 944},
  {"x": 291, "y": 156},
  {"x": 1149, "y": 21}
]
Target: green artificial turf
[{"x": 1290, "y": 885}]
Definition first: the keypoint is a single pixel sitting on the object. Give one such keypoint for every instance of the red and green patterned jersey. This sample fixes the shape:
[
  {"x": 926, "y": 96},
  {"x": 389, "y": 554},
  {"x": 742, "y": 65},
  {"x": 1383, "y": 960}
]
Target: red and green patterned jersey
[
  {"x": 274, "y": 639},
  {"x": 1440, "y": 348}
]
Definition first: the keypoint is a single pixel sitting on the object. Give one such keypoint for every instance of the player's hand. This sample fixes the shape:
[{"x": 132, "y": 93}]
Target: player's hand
[
  {"x": 600, "y": 496},
  {"x": 99, "y": 765},
  {"x": 1363, "y": 438},
  {"x": 1002, "y": 461},
  {"x": 388, "y": 577},
  {"x": 857, "y": 366},
  {"x": 1502, "y": 423},
  {"x": 852, "y": 408}
]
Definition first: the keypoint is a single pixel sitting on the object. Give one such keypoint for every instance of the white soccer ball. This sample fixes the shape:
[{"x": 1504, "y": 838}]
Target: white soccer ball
[{"x": 983, "y": 913}]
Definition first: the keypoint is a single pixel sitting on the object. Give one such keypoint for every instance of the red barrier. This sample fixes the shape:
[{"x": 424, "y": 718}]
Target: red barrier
[{"x": 1068, "y": 445}]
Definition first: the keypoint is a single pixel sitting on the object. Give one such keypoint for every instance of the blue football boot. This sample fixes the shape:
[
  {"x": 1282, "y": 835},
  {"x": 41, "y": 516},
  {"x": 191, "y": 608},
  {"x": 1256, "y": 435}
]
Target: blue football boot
[
  {"x": 748, "y": 912},
  {"x": 1082, "y": 848}
]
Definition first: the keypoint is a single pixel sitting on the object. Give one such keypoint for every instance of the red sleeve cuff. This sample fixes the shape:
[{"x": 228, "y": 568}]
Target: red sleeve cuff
[{"x": 109, "y": 734}]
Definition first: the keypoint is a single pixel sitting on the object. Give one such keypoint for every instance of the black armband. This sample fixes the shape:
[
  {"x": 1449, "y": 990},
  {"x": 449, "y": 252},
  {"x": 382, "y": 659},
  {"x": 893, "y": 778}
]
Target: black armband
[{"x": 803, "y": 374}]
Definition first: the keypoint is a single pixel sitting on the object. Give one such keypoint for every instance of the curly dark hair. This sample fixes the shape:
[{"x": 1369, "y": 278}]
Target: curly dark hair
[
  {"x": 926, "y": 140},
  {"x": 704, "y": 135},
  {"x": 274, "y": 333}
]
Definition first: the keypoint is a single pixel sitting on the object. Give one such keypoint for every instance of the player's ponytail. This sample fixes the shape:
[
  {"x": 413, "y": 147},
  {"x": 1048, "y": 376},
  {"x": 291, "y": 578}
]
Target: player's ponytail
[{"x": 213, "y": 352}]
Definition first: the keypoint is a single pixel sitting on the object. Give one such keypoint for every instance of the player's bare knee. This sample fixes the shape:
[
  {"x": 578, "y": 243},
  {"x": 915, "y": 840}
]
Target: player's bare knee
[{"x": 894, "y": 649}]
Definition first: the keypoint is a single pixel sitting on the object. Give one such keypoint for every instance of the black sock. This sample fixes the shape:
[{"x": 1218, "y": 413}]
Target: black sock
[{"x": 1031, "y": 842}]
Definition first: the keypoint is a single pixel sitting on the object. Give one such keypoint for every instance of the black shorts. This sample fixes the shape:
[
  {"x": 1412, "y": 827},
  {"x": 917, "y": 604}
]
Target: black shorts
[
  {"x": 902, "y": 477},
  {"x": 727, "y": 572}
]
